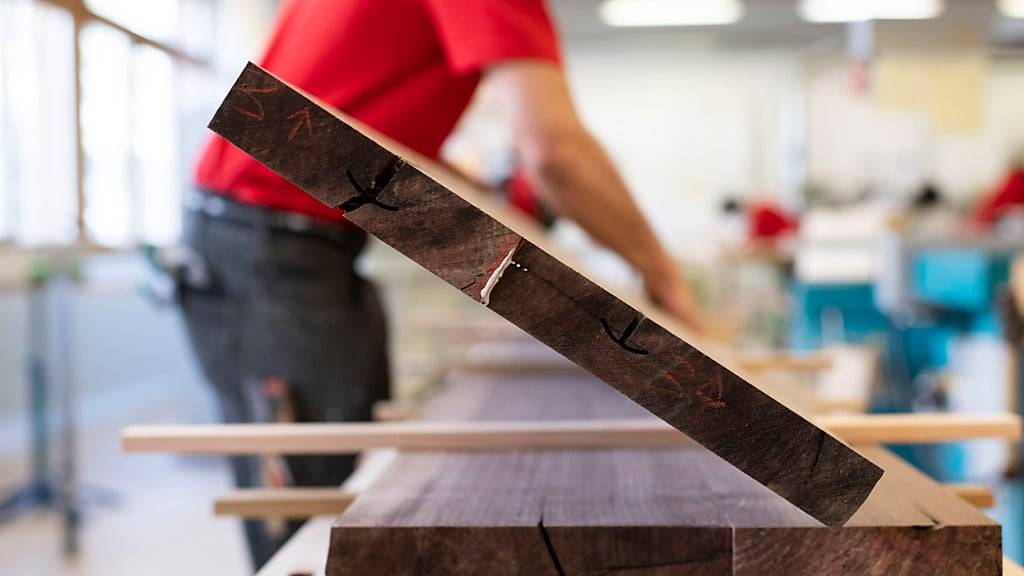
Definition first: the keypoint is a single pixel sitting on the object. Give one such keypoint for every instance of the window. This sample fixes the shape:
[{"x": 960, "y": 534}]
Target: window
[
  {"x": 38, "y": 166},
  {"x": 135, "y": 92}
]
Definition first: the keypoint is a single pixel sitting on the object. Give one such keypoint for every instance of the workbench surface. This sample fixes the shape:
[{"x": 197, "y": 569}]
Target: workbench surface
[{"x": 661, "y": 511}]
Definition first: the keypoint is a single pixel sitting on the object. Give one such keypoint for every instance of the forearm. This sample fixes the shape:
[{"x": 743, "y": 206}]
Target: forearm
[
  {"x": 567, "y": 166},
  {"x": 578, "y": 176}
]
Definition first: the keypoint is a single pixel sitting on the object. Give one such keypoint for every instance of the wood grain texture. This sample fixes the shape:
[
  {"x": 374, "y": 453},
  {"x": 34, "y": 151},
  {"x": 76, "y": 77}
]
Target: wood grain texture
[
  {"x": 425, "y": 214},
  {"x": 630, "y": 512}
]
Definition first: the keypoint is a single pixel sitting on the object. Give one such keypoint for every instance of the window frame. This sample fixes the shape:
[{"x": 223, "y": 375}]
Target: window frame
[{"x": 81, "y": 16}]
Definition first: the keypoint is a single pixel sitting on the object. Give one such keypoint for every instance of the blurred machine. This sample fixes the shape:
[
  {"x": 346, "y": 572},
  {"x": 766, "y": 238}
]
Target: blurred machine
[{"x": 936, "y": 308}]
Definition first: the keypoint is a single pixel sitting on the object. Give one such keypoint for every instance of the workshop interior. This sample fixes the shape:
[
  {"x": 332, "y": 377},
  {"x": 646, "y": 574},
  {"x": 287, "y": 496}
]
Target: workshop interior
[{"x": 742, "y": 287}]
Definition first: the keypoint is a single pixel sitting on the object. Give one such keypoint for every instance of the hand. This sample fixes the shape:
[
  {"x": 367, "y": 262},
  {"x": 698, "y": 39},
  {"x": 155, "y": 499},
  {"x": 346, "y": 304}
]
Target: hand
[{"x": 669, "y": 290}]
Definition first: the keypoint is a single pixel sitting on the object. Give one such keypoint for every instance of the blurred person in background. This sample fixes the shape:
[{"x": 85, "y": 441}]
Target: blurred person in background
[
  {"x": 1008, "y": 196},
  {"x": 764, "y": 222},
  {"x": 286, "y": 329},
  {"x": 769, "y": 223}
]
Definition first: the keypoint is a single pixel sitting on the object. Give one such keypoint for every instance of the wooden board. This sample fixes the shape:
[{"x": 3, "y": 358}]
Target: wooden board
[
  {"x": 298, "y": 503},
  {"x": 282, "y": 502},
  {"x": 977, "y": 495},
  {"x": 506, "y": 265},
  {"x": 631, "y": 512},
  {"x": 642, "y": 432}
]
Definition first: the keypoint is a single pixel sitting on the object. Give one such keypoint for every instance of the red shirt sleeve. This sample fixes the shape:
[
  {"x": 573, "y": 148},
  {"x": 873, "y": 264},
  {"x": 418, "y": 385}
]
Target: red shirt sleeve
[{"x": 477, "y": 33}]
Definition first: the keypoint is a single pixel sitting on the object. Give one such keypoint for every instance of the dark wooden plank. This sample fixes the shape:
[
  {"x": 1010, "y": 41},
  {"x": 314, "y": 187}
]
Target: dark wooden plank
[
  {"x": 910, "y": 525},
  {"x": 635, "y": 512},
  {"x": 583, "y": 515},
  {"x": 506, "y": 265}
]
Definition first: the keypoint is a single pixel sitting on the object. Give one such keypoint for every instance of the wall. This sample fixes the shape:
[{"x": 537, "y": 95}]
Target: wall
[
  {"x": 854, "y": 143},
  {"x": 688, "y": 127},
  {"x": 686, "y": 124}
]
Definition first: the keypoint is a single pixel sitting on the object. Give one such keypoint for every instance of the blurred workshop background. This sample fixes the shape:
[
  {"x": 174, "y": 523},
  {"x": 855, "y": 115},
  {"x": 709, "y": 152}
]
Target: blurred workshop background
[{"x": 838, "y": 178}]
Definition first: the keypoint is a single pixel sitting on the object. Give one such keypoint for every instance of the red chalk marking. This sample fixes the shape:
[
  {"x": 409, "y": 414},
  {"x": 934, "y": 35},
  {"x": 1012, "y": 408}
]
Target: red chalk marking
[
  {"x": 303, "y": 118},
  {"x": 715, "y": 402},
  {"x": 258, "y": 114},
  {"x": 710, "y": 394}
]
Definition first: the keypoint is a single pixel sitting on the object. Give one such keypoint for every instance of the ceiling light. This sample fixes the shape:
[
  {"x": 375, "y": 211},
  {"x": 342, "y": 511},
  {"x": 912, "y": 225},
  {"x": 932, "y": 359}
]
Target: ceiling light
[
  {"x": 671, "y": 12},
  {"x": 1012, "y": 8},
  {"x": 863, "y": 10}
]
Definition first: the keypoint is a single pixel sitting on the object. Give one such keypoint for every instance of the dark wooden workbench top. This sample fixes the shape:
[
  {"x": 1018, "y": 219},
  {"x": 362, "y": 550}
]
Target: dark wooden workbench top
[{"x": 635, "y": 512}]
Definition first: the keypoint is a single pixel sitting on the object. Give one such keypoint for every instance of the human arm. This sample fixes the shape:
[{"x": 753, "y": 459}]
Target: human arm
[{"x": 567, "y": 166}]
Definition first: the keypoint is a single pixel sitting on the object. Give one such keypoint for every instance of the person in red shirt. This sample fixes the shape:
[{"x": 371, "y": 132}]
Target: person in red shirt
[
  {"x": 768, "y": 222},
  {"x": 1009, "y": 195},
  {"x": 285, "y": 303}
]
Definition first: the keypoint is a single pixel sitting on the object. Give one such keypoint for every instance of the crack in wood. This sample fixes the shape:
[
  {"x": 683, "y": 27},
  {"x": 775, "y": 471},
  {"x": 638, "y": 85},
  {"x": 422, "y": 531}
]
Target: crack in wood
[
  {"x": 936, "y": 523},
  {"x": 471, "y": 282},
  {"x": 549, "y": 545},
  {"x": 817, "y": 454}
]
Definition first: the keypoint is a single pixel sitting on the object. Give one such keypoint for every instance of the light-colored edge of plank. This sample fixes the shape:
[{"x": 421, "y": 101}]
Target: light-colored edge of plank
[
  {"x": 297, "y": 503},
  {"x": 977, "y": 495},
  {"x": 290, "y": 503},
  {"x": 339, "y": 438}
]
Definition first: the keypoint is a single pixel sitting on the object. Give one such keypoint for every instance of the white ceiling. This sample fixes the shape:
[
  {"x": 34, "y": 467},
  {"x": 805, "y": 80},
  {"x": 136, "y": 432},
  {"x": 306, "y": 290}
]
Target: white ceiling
[{"x": 774, "y": 24}]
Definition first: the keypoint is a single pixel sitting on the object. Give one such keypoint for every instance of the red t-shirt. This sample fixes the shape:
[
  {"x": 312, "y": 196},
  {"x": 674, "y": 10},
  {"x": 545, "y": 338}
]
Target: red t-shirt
[
  {"x": 1009, "y": 195},
  {"x": 766, "y": 221},
  {"x": 407, "y": 68}
]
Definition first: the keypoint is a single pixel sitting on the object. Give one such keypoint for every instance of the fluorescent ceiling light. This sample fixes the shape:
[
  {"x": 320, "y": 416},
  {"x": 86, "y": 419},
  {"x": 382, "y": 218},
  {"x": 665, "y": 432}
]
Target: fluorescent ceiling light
[
  {"x": 1012, "y": 8},
  {"x": 863, "y": 10},
  {"x": 671, "y": 12}
]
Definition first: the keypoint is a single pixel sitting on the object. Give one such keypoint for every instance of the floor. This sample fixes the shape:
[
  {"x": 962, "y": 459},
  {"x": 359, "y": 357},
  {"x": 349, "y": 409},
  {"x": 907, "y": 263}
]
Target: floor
[{"x": 146, "y": 515}]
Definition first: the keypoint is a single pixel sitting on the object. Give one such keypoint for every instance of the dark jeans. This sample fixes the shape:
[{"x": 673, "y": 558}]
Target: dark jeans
[{"x": 289, "y": 306}]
